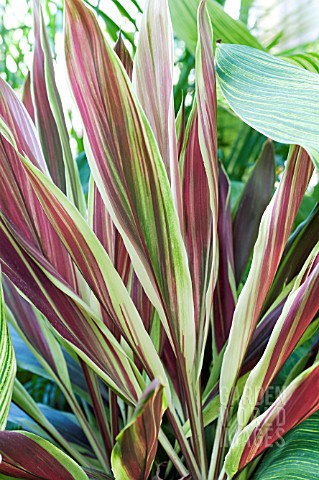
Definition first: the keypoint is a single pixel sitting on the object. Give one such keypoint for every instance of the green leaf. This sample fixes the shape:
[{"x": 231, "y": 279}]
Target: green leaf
[
  {"x": 274, "y": 97},
  {"x": 309, "y": 61},
  {"x": 294, "y": 457},
  {"x": 184, "y": 13}
]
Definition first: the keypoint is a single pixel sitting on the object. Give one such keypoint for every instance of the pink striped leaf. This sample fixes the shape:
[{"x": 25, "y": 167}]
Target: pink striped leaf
[
  {"x": 22, "y": 207},
  {"x": 27, "y": 98},
  {"x": 95, "y": 266},
  {"x": 54, "y": 363},
  {"x": 27, "y": 321},
  {"x": 136, "y": 445},
  {"x": 296, "y": 403},
  {"x": 153, "y": 83},
  {"x": 105, "y": 230},
  {"x": 27, "y": 456},
  {"x": 125, "y": 311},
  {"x": 197, "y": 215},
  {"x": 225, "y": 291},
  {"x": 297, "y": 250},
  {"x": 66, "y": 312},
  {"x": 274, "y": 230},
  {"x": 44, "y": 69},
  {"x": 140, "y": 299},
  {"x": 261, "y": 336},
  {"x": 130, "y": 175},
  {"x": 124, "y": 55},
  {"x": 101, "y": 221},
  {"x": 207, "y": 134},
  {"x": 299, "y": 310},
  {"x": 45, "y": 122}
]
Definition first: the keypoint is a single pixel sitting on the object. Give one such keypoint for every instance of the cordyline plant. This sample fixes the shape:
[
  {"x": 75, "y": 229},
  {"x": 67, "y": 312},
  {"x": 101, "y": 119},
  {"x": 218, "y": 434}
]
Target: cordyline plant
[{"x": 137, "y": 305}]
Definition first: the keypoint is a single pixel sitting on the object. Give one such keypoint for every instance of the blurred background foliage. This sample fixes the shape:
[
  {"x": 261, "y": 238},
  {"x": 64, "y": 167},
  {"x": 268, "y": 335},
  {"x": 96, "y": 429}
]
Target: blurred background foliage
[{"x": 281, "y": 26}]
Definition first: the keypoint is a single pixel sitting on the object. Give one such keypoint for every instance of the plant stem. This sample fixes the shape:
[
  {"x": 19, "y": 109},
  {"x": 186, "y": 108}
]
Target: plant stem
[
  {"x": 99, "y": 452},
  {"x": 114, "y": 415},
  {"x": 219, "y": 442},
  {"x": 184, "y": 445},
  {"x": 194, "y": 408},
  {"x": 178, "y": 464},
  {"x": 98, "y": 406}
]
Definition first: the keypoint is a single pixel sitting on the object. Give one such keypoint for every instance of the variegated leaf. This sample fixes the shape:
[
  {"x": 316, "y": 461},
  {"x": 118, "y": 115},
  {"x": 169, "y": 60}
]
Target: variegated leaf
[
  {"x": 130, "y": 175},
  {"x": 273, "y": 234},
  {"x": 299, "y": 310},
  {"x": 50, "y": 91},
  {"x": 45, "y": 122},
  {"x": 207, "y": 134},
  {"x": 294, "y": 404},
  {"x": 7, "y": 363},
  {"x": 153, "y": 82},
  {"x": 25, "y": 455},
  {"x": 136, "y": 445}
]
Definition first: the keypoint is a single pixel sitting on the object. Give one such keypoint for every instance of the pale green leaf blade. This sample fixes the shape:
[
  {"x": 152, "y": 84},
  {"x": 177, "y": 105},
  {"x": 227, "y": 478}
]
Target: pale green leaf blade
[
  {"x": 184, "y": 13},
  {"x": 295, "y": 457},
  {"x": 273, "y": 96}
]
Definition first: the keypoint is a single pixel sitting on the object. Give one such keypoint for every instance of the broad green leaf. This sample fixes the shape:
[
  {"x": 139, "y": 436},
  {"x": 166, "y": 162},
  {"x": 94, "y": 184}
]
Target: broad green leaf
[
  {"x": 25, "y": 455},
  {"x": 136, "y": 445},
  {"x": 184, "y": 14},
  {"x": 7, "y": 363},
  {"x": 295, "y": 456},
  {"x": 274, "y": 97}
]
